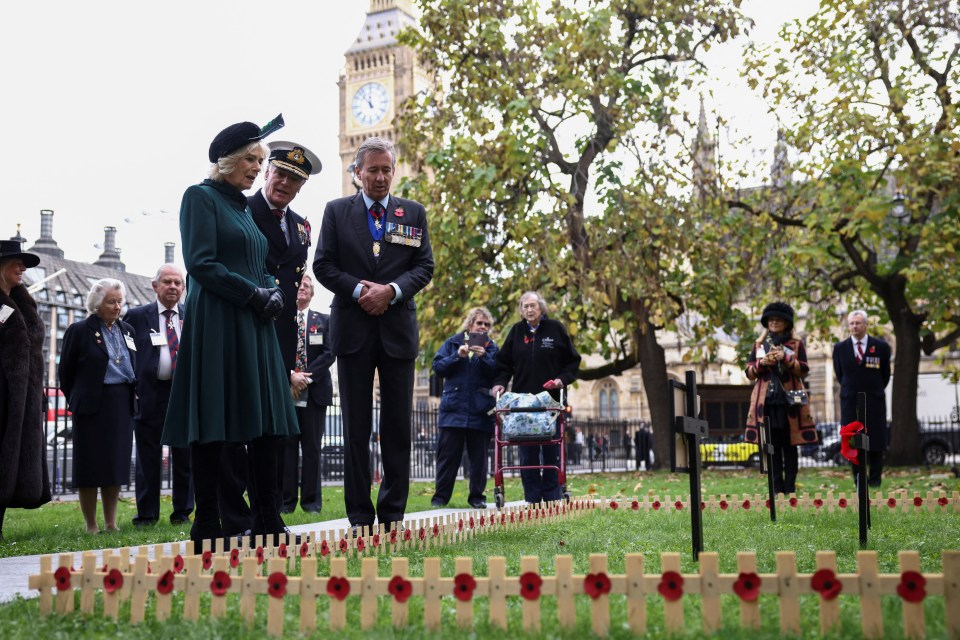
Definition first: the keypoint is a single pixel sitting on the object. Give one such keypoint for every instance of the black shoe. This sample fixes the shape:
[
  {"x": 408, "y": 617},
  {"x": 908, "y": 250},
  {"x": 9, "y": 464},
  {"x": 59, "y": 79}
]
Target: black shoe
[
  {"x": 144, "y": 522},
  {"x": 285, "y": 510},
  {"x": 437, "y": 504},
  {"x": 179, "y": 519},
  {"x": 311, "y": 508},
  {"x": 477, "y": 504}
]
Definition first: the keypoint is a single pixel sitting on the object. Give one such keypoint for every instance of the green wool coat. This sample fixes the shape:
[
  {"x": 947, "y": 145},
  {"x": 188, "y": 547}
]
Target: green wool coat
[{"x": 230, "y": 384}]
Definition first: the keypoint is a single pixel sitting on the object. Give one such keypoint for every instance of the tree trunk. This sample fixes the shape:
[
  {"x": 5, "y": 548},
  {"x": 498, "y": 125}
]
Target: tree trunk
[
  {"x": 653, "y": 369},
  {"x": 905, "y": 431}
]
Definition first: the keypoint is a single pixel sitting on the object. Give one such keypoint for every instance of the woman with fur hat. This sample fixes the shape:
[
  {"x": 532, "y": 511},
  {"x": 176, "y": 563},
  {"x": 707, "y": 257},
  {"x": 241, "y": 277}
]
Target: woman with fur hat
[
  {"x": 778, "y": 364},
  {"x": 23, "y": 465}
]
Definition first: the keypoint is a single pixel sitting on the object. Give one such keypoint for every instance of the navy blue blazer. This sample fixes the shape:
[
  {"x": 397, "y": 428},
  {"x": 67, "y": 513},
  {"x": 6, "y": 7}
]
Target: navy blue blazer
[
  {"x": 319, "y": 358},
  {"x": 871, "y": 377},
  {"x": 345, "y": 256},
  {"x": 145, "y": 320},
  {"x": 83, "y": 364},
  {"x": 286, "y": 263}
]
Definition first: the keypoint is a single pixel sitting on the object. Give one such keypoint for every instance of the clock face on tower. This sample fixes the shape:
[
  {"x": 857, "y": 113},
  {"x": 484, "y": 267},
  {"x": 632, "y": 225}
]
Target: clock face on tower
[{"x": 370, "y": 104}]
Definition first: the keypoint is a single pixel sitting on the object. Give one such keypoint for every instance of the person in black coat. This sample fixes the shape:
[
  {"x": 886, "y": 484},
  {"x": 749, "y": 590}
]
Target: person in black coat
[
  {"x": 374, "y": 255},
  {"x": 862, "y": 365},
  {"x": 97, "y": 364},
  {"x": 537, "y": 354},
  {"x": 157, "y": 329},
  {"x": 24, "y": 482},
  {"x": 312, "y": 387}
]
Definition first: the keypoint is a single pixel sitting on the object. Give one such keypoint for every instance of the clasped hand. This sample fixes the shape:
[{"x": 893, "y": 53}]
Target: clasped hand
[{"x": 375, "y": 298}]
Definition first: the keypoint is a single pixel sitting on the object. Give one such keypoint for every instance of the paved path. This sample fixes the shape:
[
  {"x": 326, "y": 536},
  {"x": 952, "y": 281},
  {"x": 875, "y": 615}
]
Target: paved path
[{"x": 15, "y": 571}]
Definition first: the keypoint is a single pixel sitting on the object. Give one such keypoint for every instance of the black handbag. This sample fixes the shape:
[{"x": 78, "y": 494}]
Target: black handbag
[{"x": 797, "y": 397}]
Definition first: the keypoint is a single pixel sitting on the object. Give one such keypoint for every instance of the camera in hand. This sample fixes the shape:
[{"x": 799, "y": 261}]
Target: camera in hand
[{"x": 477, "y": 339}]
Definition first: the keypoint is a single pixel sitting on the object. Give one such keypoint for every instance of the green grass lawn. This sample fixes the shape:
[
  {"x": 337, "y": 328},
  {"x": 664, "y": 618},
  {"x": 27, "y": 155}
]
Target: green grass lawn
[{"x": 57, "y": 527}]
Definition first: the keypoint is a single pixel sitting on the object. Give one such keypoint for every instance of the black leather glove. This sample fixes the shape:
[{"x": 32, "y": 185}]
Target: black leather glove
[
  {"x": 271, "y": 311},
  {"x": 268, "y": 303}
]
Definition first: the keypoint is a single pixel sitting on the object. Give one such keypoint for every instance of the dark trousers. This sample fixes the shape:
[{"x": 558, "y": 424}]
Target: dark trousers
[
  {"x": 313, "y": 424},
  {"x": 786, "y": 457},
  {"x": 149, "y": 473},
  {"x": 235, "y": 513},
  {"x": 450, "y": 446},
  {"x": 644, "y": 442},
  {"x": 356, "y": 371},
  {"x": 874, "y": 468},
  {"x": 540, "y": 485}
]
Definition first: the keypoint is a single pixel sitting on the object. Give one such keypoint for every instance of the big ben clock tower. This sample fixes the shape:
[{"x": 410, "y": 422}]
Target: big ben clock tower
[{"x": 380, "y": 74}]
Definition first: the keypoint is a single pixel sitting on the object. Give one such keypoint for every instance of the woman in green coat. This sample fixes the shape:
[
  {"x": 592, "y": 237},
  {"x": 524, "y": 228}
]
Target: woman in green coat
[{"x": 229, "y": 383}]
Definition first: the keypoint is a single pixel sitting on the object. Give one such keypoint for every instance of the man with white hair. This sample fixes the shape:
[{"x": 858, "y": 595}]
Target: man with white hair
[
  {"x": 157, "y": 325},
  {"x": 862, "y": 365}
]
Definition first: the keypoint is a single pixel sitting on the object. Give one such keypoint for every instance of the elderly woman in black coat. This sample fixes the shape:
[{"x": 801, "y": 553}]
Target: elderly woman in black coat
[
  {"x": 23, "y": 466},
  {"x": 97, "y": 365}
]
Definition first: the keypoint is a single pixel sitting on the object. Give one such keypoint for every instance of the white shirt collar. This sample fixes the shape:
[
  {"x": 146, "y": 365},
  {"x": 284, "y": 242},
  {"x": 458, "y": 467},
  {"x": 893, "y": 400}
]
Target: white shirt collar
[
  {"x": 270, "y": 204},
  {"x": 367, "y": 200},
  {"x": 863, "y": 340},
  {"x": 161, "y": 308}
]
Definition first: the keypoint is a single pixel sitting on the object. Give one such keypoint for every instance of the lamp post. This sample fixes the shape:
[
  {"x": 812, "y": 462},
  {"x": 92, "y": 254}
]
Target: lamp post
[
  {"x": 899, "y": 208},
  {"x": 351, "y": 171}
]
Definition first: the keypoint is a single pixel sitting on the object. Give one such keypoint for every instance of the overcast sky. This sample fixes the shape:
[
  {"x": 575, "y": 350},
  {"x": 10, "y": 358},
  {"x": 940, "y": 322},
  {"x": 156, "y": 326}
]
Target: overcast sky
[{"x": 109, "y": 106}]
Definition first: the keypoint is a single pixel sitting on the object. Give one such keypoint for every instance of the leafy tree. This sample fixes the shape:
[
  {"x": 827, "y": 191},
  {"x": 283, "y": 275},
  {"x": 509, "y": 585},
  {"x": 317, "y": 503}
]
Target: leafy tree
[
  {"x": 868, "y": 90},
  {"x": 553, "y": 156}
]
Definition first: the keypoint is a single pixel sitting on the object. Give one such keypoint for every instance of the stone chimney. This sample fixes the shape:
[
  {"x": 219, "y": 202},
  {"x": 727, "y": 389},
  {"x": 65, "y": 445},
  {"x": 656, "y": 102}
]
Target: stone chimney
[
  {"x": 111, "y": 255},
  {"x": 168, "y": 252},
  {"x": 46, "y": 244}
]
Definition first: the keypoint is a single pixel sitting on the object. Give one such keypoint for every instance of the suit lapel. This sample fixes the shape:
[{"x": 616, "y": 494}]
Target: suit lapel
[
  {"x": 93, "y": 323},
  {"x": 358, "y": 215}
]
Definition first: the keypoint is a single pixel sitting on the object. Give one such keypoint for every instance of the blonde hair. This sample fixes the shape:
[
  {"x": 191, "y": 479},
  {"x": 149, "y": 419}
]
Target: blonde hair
[
  {"x": 475, "y": 313},
  {"x": 228, "y": 163}
]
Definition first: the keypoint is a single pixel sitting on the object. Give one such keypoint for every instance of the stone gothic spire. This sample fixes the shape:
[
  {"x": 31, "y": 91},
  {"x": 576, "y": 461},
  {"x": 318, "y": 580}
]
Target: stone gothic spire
[
  {"x": 704, "y": 158},
  {"x": 781, "y": 173}
]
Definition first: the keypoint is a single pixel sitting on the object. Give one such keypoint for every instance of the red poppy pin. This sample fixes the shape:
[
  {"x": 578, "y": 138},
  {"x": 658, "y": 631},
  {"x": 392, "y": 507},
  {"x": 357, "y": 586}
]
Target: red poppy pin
[
  {"x": 793, "y": 502},
  {"x": 62, "y": 576},
  {"x": 178, "y": 564},
  {"x": 747, "y": 586},
  {"x": 304, "y": 550},
  {"x": 400, "y": 588},
  {"x": 460, "y": 525},
  {"x": 656, "y": 505},
  {"x": 338, "y": 588},
  {"x": 436, "y": 530},
  {"x": 596, "y": 584},
  {"x": 306, "y": 228},
  {"x": 917, "y": 501},
  {"x": 375, "y": 540},
  {"x": 635, "y": 505},
  {"x": 165, "y": 583},
  {"x": 113, "y": 581},
  {"x": 259, "y": 555},
  {"x": 398, "y": 212},
  {"x": 324, "y": 548},
  {"x": 361, "y": 545},
  {"x": 746, "y": 504},
  {"x": 393, "y": 537},
  {"x": 872, "y": 349},
  {"x": 207, "y": 559},
  {"x": 278, "y": 584},
  {"x": 463, "y": 586},
  {"x": 942, "y": 501},
  {"x": 826, "y": 584},
  {"x": 891, "y": 502},
  {"x": 614, "y": 505},
  {"x": 220, "y": 583},
  {"x": 842, "y": 503},
  {"x": 471, "y": 522},
  {"x": 678, "y": 505},
  {"x": 671, "y": 586},
  {"x": 234, "y": 558},
  {"x": 344, "y": 545},
  {"x": 723, "y": 505},
  {"x": 407, "y": 535},
  {"x": 423, "y": 533},
  {"x": 530, "y": 584},
  {"x": 817, "y": 502},
  {"x": 912, "y": 587}
]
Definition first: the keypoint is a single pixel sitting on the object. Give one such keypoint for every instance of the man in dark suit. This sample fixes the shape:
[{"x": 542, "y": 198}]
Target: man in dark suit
[
  {"x": 374, "y": 255},
  {"x": 288, "y": 239},
  {"x": 311, "y": 383},
  {"x": 157, "y": 336},
  {"x": 862, "y": 365}
]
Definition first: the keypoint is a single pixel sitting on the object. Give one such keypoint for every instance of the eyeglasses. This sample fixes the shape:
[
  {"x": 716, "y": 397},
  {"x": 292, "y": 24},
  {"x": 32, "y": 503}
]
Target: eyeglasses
[{"x": 482, "y": 323}]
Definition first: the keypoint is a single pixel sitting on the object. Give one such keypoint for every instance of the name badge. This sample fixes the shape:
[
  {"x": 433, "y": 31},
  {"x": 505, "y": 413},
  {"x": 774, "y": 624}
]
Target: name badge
[
  {"x": 315, "y": 339},
  {"x": 761, "y": 353},
  {"x": 158, "y": 339},
  {"x": 130, "y": 343},
  {"x": 5, "y": 312}
]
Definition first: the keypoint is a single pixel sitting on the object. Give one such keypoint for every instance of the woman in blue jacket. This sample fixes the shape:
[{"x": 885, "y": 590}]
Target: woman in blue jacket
[{"x": 465, "y": 406}]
